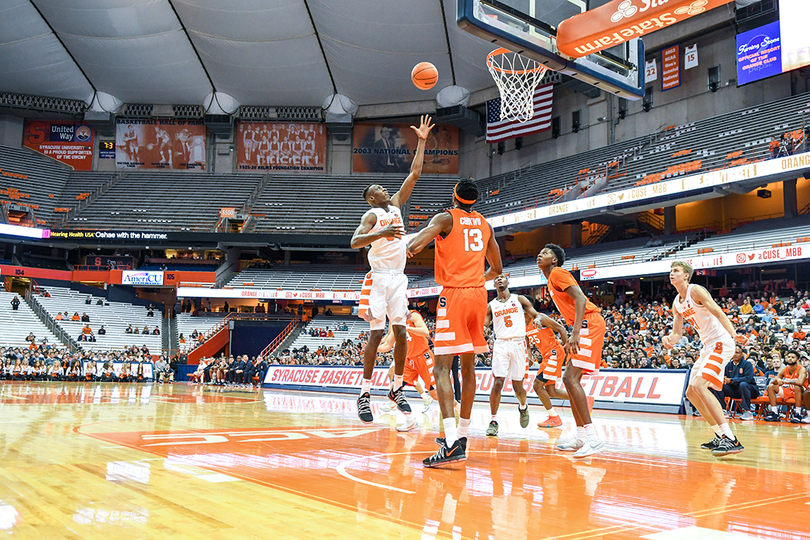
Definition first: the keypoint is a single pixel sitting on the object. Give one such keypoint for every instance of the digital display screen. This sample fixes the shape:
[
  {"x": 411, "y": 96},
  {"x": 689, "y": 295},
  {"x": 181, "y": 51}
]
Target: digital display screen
[{"x": 777, "y": 47}]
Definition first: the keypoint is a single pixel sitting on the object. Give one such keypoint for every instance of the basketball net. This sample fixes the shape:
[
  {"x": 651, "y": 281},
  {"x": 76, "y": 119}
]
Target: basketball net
[{"x": 516, "y": 77}]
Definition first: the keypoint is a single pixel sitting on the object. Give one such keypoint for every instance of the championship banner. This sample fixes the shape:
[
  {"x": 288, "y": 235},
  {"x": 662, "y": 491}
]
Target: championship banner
[
  {"x": 389, "y": 148},
  {"x": 70, "y": 143},
  {"x": 159, "y": 144},
  {"x": 647, "y": 387},
  {"x": 281, "y": 146},
  {"x": 671, "y": 68}
]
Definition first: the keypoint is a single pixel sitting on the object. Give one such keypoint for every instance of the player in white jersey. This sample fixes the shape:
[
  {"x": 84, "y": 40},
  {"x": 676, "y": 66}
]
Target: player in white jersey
[
  {"x": 717, "y": 334},
  {"x": 509, "y": 314},
  {"x": 385, "y": 287}
]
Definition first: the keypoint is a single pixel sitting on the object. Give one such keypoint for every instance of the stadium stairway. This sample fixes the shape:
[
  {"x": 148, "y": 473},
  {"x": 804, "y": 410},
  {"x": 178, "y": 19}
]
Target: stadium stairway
[{"x": 15, "y": 325}]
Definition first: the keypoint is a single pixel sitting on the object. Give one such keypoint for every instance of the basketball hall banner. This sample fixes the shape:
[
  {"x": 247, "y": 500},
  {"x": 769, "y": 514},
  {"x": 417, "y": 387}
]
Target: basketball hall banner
[
  {"x": 67, "y": 142},
  {"x": 281, "y": 146},
  {"x": 389, "y": 148},
  {"x": 159, "y": 144}
]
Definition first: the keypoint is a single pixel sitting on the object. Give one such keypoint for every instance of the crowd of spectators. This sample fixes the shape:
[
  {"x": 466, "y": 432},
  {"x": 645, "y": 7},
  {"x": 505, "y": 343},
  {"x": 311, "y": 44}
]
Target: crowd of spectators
[{"x": 235, "y": 372}]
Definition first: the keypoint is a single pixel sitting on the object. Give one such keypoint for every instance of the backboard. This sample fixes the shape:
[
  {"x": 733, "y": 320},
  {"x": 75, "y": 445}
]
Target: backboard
[{"x": 529, "y": 27}]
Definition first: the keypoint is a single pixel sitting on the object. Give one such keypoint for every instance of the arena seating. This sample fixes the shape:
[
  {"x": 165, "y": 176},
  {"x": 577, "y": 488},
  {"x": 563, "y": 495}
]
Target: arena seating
[
  {"x": 175, "y": 201},
  {"x": 711, "y": 141},
  {"x": 32, "y": 180},
  {"x": 15, "y": 325},
  {"x": 115, "y": 316},
  {"x": 186, "y": 324},
  {"x": 355, "y": 325},
  {"x": 324, "y": 277}
]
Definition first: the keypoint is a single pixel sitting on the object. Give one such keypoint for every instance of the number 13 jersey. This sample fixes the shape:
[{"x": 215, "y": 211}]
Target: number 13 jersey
[{"x": 460, "y": 256}]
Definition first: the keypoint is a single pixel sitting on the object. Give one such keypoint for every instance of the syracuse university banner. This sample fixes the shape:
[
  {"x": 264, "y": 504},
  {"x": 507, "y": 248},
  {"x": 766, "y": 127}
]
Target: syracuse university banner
[
  {"x": 389, "y": 148},
  {"x": 67, "y": 142},
  {"x": 159, "y": 144},
  {"x": 281, "y": 146}
]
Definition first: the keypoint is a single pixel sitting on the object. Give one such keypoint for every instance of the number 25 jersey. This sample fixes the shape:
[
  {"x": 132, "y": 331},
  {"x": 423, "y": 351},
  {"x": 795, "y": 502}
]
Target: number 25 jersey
[{"x": 461, "y": 255}]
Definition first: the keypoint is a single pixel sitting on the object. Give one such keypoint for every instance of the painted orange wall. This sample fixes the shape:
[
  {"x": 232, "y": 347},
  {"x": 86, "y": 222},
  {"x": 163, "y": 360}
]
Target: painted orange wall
[{"x": 745, "y": 207}]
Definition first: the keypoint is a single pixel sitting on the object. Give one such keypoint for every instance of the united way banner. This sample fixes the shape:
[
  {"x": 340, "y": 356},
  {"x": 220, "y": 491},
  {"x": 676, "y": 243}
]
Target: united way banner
[
  {"x": 67, "y": 142},
  {"x": 281, "y": 146},
  {"x": 389, "y": 148},
  {"x": 159, "y": 144}
]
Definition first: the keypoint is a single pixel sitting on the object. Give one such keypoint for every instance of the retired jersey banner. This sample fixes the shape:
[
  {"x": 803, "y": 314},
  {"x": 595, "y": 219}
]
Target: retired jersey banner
[
  {"x": 389, "y": 148},
  {"x": 70, "y": 143},
  {"x": 159, "y": 144},
  {"x": 281, "y": 146}
]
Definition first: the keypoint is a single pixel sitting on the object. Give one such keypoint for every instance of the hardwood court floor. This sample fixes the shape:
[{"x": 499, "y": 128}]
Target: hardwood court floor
[{"x": 141, "y": 461}]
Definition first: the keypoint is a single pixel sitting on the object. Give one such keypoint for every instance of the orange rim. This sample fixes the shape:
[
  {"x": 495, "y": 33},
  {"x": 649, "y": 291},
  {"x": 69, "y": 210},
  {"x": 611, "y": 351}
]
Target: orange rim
[{"x": 496, "y": 52}]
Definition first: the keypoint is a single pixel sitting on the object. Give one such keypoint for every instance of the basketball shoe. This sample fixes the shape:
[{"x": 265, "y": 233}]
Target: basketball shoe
[
  {"x": 398, "y": 397},
  {"x": 551, "y": 422},
  {"x": 524, "y": 416},
  {"x": 446, "y": 455},
  {"x": 410, "y": 424},
  {"x": 591, "y": 447},
  {"x": 570, "y": 444},
  {"x": 364, "y": 408},
  {"x": 727, "y": 446},
  {"x": 492, "y": 430},
  {"x": 712, "y": 444}
]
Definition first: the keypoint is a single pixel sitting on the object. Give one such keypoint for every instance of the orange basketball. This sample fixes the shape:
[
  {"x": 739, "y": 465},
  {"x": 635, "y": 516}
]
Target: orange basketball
[{"x": 424, "y": 75}]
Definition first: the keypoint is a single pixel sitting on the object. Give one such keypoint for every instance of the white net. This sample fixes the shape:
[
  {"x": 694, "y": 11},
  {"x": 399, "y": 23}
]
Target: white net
[{"x": 516, "y": 77}]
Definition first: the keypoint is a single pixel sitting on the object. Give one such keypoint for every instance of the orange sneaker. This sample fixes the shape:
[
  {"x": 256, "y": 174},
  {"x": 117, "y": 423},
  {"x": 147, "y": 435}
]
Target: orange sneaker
[{"x": 551, "y": 422}]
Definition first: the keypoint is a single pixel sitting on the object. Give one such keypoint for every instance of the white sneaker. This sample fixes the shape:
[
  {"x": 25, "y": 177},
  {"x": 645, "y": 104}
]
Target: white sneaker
[
  {"x": 747, "y": 415},
  {"x": 426, "y": 403},
  {"x": 570, "y": 444},
  {"x": 388, "y": 407},
  {"x": 409, "y": 425},
  {"x": 591, "y": 446}
]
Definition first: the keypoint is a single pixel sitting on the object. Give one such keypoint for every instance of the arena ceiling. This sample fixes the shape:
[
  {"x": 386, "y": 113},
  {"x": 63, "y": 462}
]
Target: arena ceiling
[{"x": 260, "y": 52}]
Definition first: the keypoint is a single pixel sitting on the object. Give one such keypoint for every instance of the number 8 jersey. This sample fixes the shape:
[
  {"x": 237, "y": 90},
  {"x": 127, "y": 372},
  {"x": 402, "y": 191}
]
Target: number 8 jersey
[{"x": 460, "y": 256}]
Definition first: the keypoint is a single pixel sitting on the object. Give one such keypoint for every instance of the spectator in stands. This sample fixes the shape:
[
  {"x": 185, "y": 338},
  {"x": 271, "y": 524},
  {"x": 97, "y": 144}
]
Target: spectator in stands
[
  {"x": 102, "y": 331},
  {"x": 56, "y": 371},
  {"x": 181, "y": 339},
  {"x": 150, "y": 311},
  {"x": 145, "y": 330},
  {"x": 129, "y": 330},
  {"x": 75, "y": 317},
  {"x": 88, "y": 300},
  {"x": 746, "y": 308},
  {"x": 30, "y": 337},
  {"x": 739, "y": 383},
  {"x": 85, "y": 317},
  {"x": 58, "y": 317},
  {"x": 227, "y": 308},
  {"x": 163, "y": 370},
  {"x": 15, "y": 303},
  {"x": 100, "y": 302},
  {"x": 87, "y": 329},
  {"x": 135, "y": 330},
  {"x": 799, "y": 334},
  {"x": 156, "y": 331}
]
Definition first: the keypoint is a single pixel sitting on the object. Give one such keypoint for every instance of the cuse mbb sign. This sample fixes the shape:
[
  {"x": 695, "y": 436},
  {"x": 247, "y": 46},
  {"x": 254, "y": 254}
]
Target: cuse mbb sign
[{"x": 624, "y": 20}]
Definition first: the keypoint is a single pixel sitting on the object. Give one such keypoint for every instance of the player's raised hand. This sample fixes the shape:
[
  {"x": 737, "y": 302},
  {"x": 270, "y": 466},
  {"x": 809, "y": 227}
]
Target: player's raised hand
[
  {"x": 424, "y": 128},
  {"x": 392, "y": 230}
]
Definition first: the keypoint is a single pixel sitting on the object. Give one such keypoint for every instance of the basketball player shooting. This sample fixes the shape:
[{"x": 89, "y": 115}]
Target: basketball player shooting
[
  {"x": 385, "y": 287},
  {"x": 717, "y": 334},
  {"x": 464, "y": 240}
]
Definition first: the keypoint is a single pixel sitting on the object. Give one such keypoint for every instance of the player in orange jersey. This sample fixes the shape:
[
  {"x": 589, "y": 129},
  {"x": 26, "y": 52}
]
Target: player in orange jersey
[
  {"x": 464, "y": 241},
  {"x": 418, "y": 364},
  {"x": 385, "y": 288},
  {"x": 584, "y": 346},
  {"x": 789, "y": 383},
  {"x": 552, "y": 353}
]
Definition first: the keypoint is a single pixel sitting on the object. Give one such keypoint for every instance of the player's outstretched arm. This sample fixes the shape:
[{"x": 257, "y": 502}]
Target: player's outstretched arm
[
  {"x": 702, "y": 297},
  {"x": 493, "y": 257},
  {"x": 401, "y": 196},
  {"x": 528, "y": 309},
  {"x": 362, "y": 237},
  {"x": 440, "y": 224}
]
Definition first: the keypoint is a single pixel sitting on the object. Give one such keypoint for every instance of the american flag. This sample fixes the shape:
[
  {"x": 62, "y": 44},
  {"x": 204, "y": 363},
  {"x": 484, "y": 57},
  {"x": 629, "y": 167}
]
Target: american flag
[{"x": 500, "y": 130}]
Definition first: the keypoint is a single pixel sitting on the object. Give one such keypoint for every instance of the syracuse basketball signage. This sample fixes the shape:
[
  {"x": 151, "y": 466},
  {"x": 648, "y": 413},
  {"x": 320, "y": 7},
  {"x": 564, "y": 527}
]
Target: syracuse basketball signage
[
  {"x": 623, "y": 20},
  {"x": 642, "y": 387}
]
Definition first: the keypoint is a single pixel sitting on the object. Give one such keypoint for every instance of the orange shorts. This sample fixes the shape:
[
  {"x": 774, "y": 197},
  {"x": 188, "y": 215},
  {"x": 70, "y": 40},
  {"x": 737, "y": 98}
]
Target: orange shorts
[
  {"x": 419, "y": 366},
  {"x": 550, "y": 370},
  {"x": 591, "y": 339},
  {"x": 460, "y": 321}
]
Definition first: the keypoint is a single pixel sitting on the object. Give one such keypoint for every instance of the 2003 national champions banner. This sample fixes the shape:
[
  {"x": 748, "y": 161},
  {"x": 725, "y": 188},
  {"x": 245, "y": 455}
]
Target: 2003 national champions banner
[
  {"x": 67, "y": 142},
  {"x": 389, "y": 148},
  {"x": 159, "y": 144},
  {"x": 281, "y": 146}
]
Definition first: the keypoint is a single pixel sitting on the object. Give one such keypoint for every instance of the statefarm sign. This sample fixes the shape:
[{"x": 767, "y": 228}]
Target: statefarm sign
[
  {"x": 713, "y": 260},
  {"x": 685, "y": 184},
  {"x": 624, "y": 20},
  {"x": 611, "y": 386}
]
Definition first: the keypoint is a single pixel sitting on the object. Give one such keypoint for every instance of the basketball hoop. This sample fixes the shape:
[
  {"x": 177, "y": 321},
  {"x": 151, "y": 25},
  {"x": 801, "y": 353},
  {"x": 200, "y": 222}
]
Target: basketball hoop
[{"x": 516, "y": 77}]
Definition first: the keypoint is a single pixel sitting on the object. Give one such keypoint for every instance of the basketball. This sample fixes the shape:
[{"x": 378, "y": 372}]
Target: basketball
[{"x": 424, "y": 75}]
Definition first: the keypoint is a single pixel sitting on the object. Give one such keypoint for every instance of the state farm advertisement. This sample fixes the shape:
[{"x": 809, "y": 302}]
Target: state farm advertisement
[
  {"x": 70, "y": 143},
  {"x": 653, "y": 387}
]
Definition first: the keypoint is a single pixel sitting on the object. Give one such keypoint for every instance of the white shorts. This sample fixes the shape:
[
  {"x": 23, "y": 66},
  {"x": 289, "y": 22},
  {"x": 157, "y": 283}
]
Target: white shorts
[
  {"x": 714, "y": 356},
  {"x": 509, "y": 358},
  {"x": 388, "y": 296}
]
